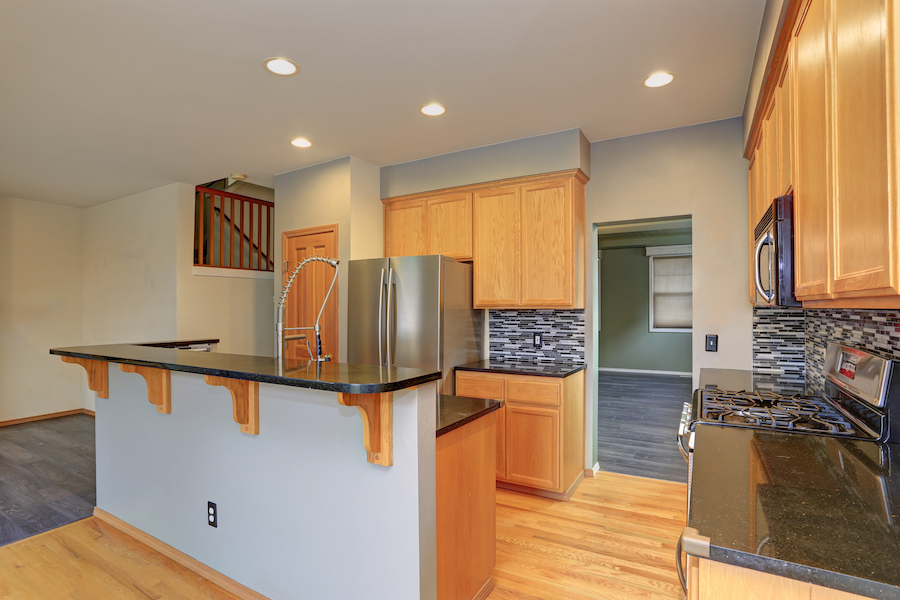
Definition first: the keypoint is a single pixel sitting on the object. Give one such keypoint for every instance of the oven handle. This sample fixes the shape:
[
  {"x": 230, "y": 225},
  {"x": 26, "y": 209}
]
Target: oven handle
[
  {"x": 690, "y": 542},
  {"x": 683, "y": 428},
  {"x": 766, "y": 239}
]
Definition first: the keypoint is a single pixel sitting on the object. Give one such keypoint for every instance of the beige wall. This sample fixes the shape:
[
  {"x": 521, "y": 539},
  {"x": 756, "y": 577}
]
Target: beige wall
[
  {"x": 40, "y": 307},
  {"x": 237, "y": 310},
  {"x": 697, "y": 171},
  {"x": 772, "y": 23}
]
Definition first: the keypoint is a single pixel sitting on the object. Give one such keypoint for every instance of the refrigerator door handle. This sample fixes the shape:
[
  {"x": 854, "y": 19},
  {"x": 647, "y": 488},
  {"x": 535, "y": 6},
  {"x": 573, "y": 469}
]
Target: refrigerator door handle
[
  {"x": 390, "y": 288},
  {"x": 380, "y": 315}
]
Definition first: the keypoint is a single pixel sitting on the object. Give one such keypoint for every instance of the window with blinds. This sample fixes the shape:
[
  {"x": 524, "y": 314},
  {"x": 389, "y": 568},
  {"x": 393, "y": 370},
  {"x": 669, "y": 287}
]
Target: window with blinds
[{"x": 671, "y": 301}]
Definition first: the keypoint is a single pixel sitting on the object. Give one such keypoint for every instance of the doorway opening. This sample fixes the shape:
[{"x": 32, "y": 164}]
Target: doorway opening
[{"x": 644, "y": 355}]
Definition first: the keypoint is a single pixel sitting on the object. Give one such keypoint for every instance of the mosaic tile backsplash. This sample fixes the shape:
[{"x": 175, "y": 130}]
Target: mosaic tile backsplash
[
  {"x": 877, "y": 331},
  {"x": 779, "y": 348},
  {"x": 512, "y": 335},
  {"x": 789, "y": 343}
]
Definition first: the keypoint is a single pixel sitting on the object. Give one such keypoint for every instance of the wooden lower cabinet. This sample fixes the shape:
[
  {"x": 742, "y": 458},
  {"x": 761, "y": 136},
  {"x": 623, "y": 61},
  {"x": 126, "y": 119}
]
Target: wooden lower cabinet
[
  {"x": 711, "y": 580},
  {"x": 540, "y": 436},
  {"x": 466, "y": 510}
]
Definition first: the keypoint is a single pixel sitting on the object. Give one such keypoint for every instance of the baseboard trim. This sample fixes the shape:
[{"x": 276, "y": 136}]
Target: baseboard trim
[
  {"x": 485, "y": 590},
  {"x": 560, "y": 496},
  {"x": 65, "y": 413},
  {"x": 223, "y": 581},
  {"x": 646, "y": 371},
  {"x": 592, "y": 472}
]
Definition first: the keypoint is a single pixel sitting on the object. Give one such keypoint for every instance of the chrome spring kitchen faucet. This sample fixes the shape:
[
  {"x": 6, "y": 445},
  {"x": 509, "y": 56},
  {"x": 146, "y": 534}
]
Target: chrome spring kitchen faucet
[{"x": 281, "y": 339}]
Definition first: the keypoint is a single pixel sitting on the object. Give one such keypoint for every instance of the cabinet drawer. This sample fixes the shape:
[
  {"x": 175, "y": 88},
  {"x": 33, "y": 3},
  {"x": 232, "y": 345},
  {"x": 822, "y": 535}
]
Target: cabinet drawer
[
  {"x": 476, "y": 385},
  {"x": 548, "y": 393}
]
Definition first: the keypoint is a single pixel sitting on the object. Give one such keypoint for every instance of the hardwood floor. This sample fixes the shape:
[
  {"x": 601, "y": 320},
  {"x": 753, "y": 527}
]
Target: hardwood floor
[
  {"x": 638, "y": 417},
  {"x": 47, "y": 475},
  {"x": 91, "y": 560},
  {"x": 615, "y": 539}
]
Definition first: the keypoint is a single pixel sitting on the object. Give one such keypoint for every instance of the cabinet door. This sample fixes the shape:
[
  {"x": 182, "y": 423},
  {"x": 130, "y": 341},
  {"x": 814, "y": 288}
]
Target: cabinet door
[
  {"x": 771, "y": 155},
  {"x": 404, "y": 228},
  {"x": 496, "y": 247},
  {"x": 532, "y": 446},
  {"x": 865, "y": 218},
  {"x": 490, "y": 386},
  {"x": 753, "y": 187},
  {"x": 449, "y": 227},
  {"x": 785, "y": 135},
  {"x": 547, "y": 252},
  {"x": 810, "y": 113}
]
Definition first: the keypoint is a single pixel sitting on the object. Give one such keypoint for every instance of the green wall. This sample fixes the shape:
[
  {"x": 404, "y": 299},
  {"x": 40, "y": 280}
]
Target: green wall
[{"x": 625, "y": 339}]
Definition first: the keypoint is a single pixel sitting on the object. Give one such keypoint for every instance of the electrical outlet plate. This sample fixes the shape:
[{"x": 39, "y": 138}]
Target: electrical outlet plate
[
  {"x": 212, "y": 514},
  {"x": 538, "y": 340}
]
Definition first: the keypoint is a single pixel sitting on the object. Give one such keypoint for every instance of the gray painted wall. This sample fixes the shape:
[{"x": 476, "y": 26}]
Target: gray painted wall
[
  {"x": 625, "y": 339},
  {"x": 698, "y": 171},
  {"x": 530, "y": 156},
  {"x": 772, "y": 22},
  {"x": 301, "y": 513}
]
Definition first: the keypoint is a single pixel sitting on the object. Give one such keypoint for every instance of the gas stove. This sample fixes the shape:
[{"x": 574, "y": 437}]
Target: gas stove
[
  {"x": 769, "y": 410},
  {"x": 861, "y": 401}
]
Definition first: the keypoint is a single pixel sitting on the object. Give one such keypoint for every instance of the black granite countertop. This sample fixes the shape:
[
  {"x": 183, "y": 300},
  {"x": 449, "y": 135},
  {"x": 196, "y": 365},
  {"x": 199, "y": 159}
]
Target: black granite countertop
[
  {"x": 815, "y": 508},
  {"x": 329, "y": 376},
  {"x": 455, "y": 411},
  {"x": 555, "y": 369}
]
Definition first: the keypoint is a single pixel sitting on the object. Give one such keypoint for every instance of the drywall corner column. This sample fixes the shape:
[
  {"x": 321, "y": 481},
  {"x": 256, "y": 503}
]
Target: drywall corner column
[
  {"x": 41, "y": 291},
  {"x": 366, "y": 210}
]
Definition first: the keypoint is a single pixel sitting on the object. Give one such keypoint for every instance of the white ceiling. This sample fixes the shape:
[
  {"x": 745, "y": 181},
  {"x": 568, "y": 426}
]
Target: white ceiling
[{"x": 100, "y": 99}]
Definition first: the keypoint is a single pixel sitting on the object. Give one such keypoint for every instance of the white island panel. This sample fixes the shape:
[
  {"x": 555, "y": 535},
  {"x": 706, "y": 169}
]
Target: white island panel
[{"x": 301, "y": 513}]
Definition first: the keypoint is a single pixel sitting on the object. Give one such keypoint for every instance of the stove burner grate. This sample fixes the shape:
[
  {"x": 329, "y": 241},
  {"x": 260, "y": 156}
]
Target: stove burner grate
[{"x": 769, "y": 410}]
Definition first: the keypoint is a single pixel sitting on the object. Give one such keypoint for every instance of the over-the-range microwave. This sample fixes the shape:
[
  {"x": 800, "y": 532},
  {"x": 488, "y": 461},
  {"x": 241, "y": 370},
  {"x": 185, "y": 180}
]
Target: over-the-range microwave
[{"x": 774, "y": 255}]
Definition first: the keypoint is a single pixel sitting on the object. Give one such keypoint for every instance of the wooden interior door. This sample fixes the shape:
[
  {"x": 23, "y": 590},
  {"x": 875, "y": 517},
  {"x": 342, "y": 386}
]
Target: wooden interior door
[{"x": 309, "y": 289}]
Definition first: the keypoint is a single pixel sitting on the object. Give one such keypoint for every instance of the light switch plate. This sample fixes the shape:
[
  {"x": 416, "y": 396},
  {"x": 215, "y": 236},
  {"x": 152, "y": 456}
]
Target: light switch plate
[
  {"x": 538, "y": 340},
  {"x": 712, "y": 343}
]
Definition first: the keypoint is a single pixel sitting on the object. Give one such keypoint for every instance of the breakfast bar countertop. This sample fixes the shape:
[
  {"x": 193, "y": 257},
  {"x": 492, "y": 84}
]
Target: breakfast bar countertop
[{"x": 328, "y": 376}]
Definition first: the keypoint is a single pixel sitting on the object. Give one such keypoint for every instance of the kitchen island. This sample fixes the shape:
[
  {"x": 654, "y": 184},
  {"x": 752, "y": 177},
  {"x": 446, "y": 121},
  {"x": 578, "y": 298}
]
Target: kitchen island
[{"x": 323, "y": 476}]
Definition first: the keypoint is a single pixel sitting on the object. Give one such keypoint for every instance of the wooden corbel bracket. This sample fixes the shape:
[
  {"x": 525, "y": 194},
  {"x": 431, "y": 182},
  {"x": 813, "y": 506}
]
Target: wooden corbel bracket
[
  {"x": 245, "y": 398},
  {"x": 97, "y": 373},
  {"x": 159, "y": 385},
  {"x": 377, "y": 412}
]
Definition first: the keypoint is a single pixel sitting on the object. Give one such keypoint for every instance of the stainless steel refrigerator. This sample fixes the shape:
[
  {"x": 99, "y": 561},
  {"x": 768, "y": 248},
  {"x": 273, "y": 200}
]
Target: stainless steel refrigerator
[{"x": 413, "y": 311}]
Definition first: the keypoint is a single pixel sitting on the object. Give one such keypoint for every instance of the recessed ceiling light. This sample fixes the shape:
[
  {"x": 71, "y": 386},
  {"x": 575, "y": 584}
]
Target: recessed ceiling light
[
  {"x": 281, "y": 66},
  {"x": 301, "y": 143},
  {"x": 659, "y": 80},
  {"x": 433, "y": 110}
]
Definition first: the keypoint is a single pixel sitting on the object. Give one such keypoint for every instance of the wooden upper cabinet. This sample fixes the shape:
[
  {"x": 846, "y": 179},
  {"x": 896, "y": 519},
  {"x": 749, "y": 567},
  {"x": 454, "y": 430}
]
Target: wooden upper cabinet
[
  {"x": 753, "y": 188},
  {"x": 497, "y": 247},
  {"x": 449, "y": 225},
  {"x": 783, "y": 95},
  {"x": 547, "y": 228},
  {"x": 429, "y": 224},
  {"x": 810, "y": 165},
  {"x": 404, "y": 228},
  {"x": 864, "y": 216},
  {"x": 771, "y": 162},
  {"x": 529, "y": 240}
]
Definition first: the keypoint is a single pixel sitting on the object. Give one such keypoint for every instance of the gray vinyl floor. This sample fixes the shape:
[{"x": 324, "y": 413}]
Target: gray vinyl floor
[
  {"x": 47, "y": 475},
  {"x": 638, "y": 418}
]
